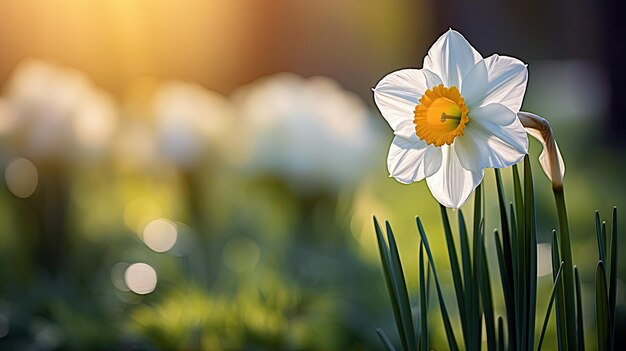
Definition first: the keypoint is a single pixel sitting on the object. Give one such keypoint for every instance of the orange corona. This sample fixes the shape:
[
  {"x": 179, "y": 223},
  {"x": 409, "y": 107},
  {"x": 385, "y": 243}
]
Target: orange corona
[{"x": 441, "y": 115}]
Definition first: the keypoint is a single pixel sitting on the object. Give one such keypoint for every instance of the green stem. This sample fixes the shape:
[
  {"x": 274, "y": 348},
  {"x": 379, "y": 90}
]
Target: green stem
[{"x": 568, "y": 265}]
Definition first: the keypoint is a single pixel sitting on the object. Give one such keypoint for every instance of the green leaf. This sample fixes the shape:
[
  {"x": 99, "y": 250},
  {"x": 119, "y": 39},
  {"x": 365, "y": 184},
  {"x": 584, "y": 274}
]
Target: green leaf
[
  {"x": 519, "y": 258},
  {"x": 579, "y": 312},
  {"x": 501, "y": 342},
  {"x": 478, "y": 241},
  {"x": 507, "y": 260},
  {"x": 385, "y": 339},
  {"x": 519, "y": 200},
  {"x": 600, "y": 238},
  {"x": 485, "y": 294},
  {"x": 509, "y": 301},
  {"x": 614, "y": 265},
  {"x": 555, "y": 286},
  {"x": 602, "y": 309},
  {"x": 472, "y": 334},
  {"x": 401, "y": 290},
  {"x": 454, "y": 267},
  {"x": 568, "y": 268},
  {"x": 384, "y": 258},
  {"x": 442, "y": 304},
  {"x": 424, "y": 342},
  {"x": 531, "y": 252},
  {"x": 561, "y": 322}
]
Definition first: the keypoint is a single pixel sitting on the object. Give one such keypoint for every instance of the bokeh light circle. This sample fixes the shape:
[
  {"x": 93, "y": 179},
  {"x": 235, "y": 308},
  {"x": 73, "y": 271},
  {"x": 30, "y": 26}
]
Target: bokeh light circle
[
  {"x": 160, "y": 235},
  {"x": 140, "y": 278},
  {"x": 21, "y": 177}
]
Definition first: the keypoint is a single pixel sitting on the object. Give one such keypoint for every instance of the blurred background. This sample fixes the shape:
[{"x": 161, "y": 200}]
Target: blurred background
[{"x": 203, "y": 174}]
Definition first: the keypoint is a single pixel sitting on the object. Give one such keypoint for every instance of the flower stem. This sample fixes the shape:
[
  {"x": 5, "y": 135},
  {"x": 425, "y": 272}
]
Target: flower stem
[{"x": 568, "y": 265}]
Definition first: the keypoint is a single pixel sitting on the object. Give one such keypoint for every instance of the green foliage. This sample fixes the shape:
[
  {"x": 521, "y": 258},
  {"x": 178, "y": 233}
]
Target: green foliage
[
  {"x": 516, "y": 253},
  {"x": 606, "y": 282}
]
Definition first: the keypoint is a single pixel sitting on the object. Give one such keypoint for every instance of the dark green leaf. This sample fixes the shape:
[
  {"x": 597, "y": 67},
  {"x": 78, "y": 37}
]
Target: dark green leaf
[
  {"x": 561, "y": 322},
  {"x": 401, "y": 290},
  {"x": 385, "y": 339},
  {"x": 509, "y": 301},
  {"x": 613, "y": 274},
  {"x": 454, "y": 267},
  {"x": 551, "y": 301},
  {"x": 472, "y": 335},
  {"x": 600, "y": 238},
  {"x": 568, "y": 267},
  {"x": 602, "y": 309},
  {"x": 442, "y": 305},
  {"x": 501, "y": 342},
  {"x": 385, "y": 260},
  {"x": 579, "y": 312},
  {"x": 424, "y": 342},
  {"x": 485, "y": 293}
]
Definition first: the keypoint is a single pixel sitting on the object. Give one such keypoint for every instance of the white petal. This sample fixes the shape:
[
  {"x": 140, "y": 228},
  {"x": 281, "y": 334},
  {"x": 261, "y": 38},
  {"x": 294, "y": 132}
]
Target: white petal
[
  {"x": 398, "y": 93},
  {"x": 489, "y": 142},
  {"x": 496, "y": 79},
  {"x": 432, "y": 160},
  {"x": 451, "y": 57},
  {"x": 406, "y": 129},
  {"x": 405, "y": 161},
  {"x": 493, "y": 113},
  {"x": 478, "y": 148},
  {"x": 452, "y": 184}
]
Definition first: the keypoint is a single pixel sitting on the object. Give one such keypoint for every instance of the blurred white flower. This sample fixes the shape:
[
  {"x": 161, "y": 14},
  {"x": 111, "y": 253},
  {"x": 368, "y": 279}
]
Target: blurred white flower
[
  {"x": 454, "y": 117},
  {"x": 191, "y": 122},
  {"x": 309, "y": 131},
  {"x": 55, "y": 113}
]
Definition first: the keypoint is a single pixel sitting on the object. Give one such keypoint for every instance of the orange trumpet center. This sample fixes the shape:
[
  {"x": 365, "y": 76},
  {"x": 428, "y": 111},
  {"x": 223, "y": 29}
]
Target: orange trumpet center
[{"x": 441, "y": 115}]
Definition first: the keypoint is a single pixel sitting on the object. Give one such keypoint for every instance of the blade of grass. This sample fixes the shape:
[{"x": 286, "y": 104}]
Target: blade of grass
[
  {"x": 602, "y": 309},
  {"x": 551, "y": 301},
  {"x": 384, "y": 258},
  {"x": 442, "y": 305},
  {"x": 579, "y": 312},
  {"x": 385, "y": 339},
  {"x": 401, "y": 291}
]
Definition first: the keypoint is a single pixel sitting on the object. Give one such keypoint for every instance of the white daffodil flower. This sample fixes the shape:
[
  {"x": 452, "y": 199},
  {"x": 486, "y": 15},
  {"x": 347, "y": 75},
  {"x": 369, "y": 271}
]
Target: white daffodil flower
[{"x": 453, "y": 118}]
